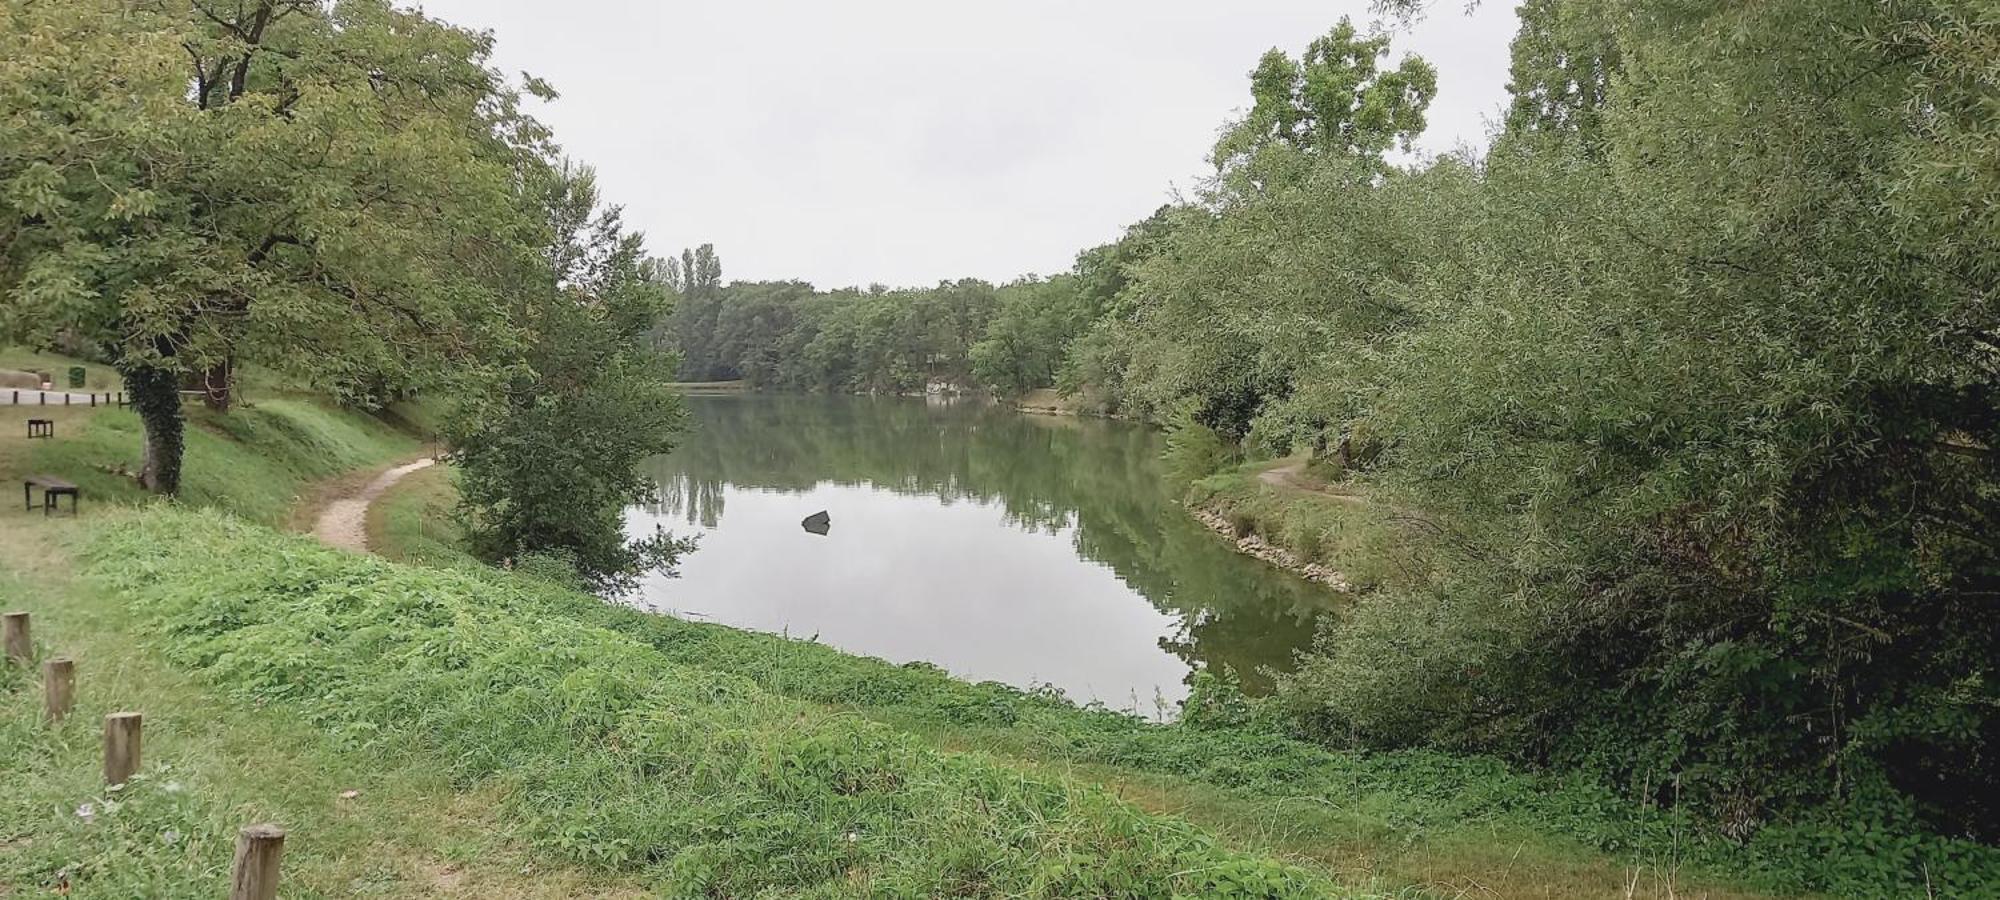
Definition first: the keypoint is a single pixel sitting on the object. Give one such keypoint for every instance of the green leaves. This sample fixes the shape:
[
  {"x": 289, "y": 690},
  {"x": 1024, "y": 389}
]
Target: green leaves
[
  {"x": 1691, "y": 377},
  {"x": 133, "y": 204},
  {"x": 38, "y": 191},
  {"x": 549, "y": 449},
  {"x": 340, "y": 177},
  {"x": 1336, "y": 100}
]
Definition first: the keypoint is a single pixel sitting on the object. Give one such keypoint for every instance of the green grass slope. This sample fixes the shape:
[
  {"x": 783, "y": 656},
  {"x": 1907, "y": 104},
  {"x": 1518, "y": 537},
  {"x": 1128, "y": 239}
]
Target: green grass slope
[
  {"x": 614, "y": 754},
  {"x": 1416, "y": 818},
  {"x": 256, "y": 461}
]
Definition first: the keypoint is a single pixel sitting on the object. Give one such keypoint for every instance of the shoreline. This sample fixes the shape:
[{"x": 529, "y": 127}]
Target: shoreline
[{"x": 1254, "y": 545}]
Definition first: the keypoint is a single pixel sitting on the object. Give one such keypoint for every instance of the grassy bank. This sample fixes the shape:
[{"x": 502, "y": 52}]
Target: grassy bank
[
  {"x": 1288, "y": 506},
  {"x": 516, "y": 736},
  {"x": 615, "y": 755},
  {"x": 97, "y": 378},
  {"x": 359, "y": 826},
  {"x": 1421, "y": 821},
  {"x": 256, "y": 461}
]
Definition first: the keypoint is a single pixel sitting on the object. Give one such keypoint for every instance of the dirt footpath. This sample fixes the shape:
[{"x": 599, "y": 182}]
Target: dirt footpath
[{"x": 343, "y": 522}]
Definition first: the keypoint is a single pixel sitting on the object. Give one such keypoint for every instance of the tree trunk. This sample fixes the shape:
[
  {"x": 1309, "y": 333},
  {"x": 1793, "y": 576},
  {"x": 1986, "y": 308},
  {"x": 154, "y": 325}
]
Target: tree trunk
[
  {"x": 157, "y": 398},
  {"x": 216, "y": 384}
]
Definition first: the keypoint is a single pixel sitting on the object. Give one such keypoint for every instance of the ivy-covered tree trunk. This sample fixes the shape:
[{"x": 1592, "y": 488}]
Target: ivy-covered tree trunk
[{"x": 156, "y": 396}]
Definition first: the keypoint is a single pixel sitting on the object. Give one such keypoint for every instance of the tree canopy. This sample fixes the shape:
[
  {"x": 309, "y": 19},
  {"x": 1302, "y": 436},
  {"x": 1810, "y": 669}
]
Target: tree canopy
[
  {"x": 347, "y": 193},
  {"x": 182, "y": 186}
]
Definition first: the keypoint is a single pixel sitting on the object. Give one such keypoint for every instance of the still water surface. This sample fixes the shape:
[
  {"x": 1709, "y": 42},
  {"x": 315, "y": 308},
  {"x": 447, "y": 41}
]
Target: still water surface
[{"x": 1023, "y": 549}]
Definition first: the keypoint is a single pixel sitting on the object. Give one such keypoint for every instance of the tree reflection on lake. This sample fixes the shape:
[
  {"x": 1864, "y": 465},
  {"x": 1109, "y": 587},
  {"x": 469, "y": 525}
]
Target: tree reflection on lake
[{"x": 1023, "y": 549}]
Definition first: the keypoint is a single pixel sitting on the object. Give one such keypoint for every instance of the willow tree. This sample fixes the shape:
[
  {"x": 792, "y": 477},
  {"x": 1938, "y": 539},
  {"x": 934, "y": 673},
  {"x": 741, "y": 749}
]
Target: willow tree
[
  {"x": 324, "y": 188},
  {"x": 1709, "y": 413},
  {"x": 1283, "y": 257}
]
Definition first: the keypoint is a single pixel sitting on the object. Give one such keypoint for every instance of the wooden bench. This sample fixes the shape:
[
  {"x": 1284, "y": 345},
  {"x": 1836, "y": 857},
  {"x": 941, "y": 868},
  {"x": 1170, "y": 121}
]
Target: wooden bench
[
  {"x": 52, "y": 489},
  {"x": 41, "y": 428}
]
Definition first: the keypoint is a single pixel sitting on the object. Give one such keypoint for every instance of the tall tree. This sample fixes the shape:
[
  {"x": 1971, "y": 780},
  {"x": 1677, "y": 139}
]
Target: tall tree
[
  {"x": 697, "y": 278},
  {"x": 1283, "y": 254},
  {"x": 549, "y": 453},
  {"x": 188, "y": 183},
  {"x": 1709, "y": 418},
  {"x": 1336, "y": 99},
  {"x": 1562, "y": 63}
]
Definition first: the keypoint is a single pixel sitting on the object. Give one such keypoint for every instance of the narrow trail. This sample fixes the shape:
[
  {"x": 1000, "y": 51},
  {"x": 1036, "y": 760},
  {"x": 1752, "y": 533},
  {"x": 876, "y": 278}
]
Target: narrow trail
[
  {"x": 1293, "y": 476},
  {"x": 343, "y": 522}
]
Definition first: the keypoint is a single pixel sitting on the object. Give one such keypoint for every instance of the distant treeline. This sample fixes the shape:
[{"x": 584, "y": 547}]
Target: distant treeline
[
  {"x": 1687, "y": 384},
  {"x": 968, "y": 334}
]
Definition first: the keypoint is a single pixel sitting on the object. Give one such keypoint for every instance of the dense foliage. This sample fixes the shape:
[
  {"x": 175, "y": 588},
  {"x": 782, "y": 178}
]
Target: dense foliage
[
  {"x": 1689, "y": 380},
  {"x": 184, "y": 187},
  {"x": 1705, "y": 409},
  {"x": 343, "y": 191},
  {"x": 549, "y": 454},
  {"x": 788, "y": 335}
]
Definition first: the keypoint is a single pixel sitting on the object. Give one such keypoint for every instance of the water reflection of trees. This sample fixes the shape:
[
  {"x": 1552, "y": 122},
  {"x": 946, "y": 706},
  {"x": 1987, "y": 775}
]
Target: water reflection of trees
[
  {"x": 1102, "y": 478},
  {"x": 700, "y": 500}
]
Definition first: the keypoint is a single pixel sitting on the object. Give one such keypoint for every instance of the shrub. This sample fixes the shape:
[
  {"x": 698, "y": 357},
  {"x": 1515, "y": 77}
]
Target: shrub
[{"x": 1195, "y": 451}]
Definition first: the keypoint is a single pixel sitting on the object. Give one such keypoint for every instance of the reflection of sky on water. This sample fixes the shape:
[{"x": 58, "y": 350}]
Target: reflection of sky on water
[
  {"x": 910, "y": 578},
  {"x": 992, "y": 545}
]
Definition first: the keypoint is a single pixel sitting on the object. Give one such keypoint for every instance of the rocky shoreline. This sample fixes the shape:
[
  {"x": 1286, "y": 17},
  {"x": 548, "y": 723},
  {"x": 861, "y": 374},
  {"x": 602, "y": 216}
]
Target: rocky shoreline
[{"x": 1255, "y": 545}]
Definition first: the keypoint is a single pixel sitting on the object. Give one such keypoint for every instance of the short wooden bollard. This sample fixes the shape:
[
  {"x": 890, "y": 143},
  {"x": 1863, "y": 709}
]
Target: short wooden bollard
[
  {"x": 20, "y": 647},
  {"x": 258, "y": 849},
  {"x": 58, "y": 687},
  {"x": 121, "y": 746}
]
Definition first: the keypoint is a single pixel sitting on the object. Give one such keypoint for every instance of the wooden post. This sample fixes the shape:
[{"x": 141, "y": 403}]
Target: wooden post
[
  {"x": 258, "y": 849},
  {"x": 20, "y": 648},
  {"x": 58, "y": 687},
  {"x": 121, "y": 746}
]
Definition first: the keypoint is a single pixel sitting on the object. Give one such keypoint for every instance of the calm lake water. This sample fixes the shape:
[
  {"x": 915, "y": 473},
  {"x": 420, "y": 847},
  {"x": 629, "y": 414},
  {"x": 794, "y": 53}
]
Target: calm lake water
[{"x": 1000, "y": 546}]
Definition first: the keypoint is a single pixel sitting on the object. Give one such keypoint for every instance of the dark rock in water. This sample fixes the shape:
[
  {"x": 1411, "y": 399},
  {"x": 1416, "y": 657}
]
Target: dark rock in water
[{"x": 818, "y": 523}]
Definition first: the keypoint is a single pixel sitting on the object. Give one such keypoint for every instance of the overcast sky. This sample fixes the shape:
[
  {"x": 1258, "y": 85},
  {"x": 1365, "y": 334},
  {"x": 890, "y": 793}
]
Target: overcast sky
[{"x": 911, "y": 141}]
